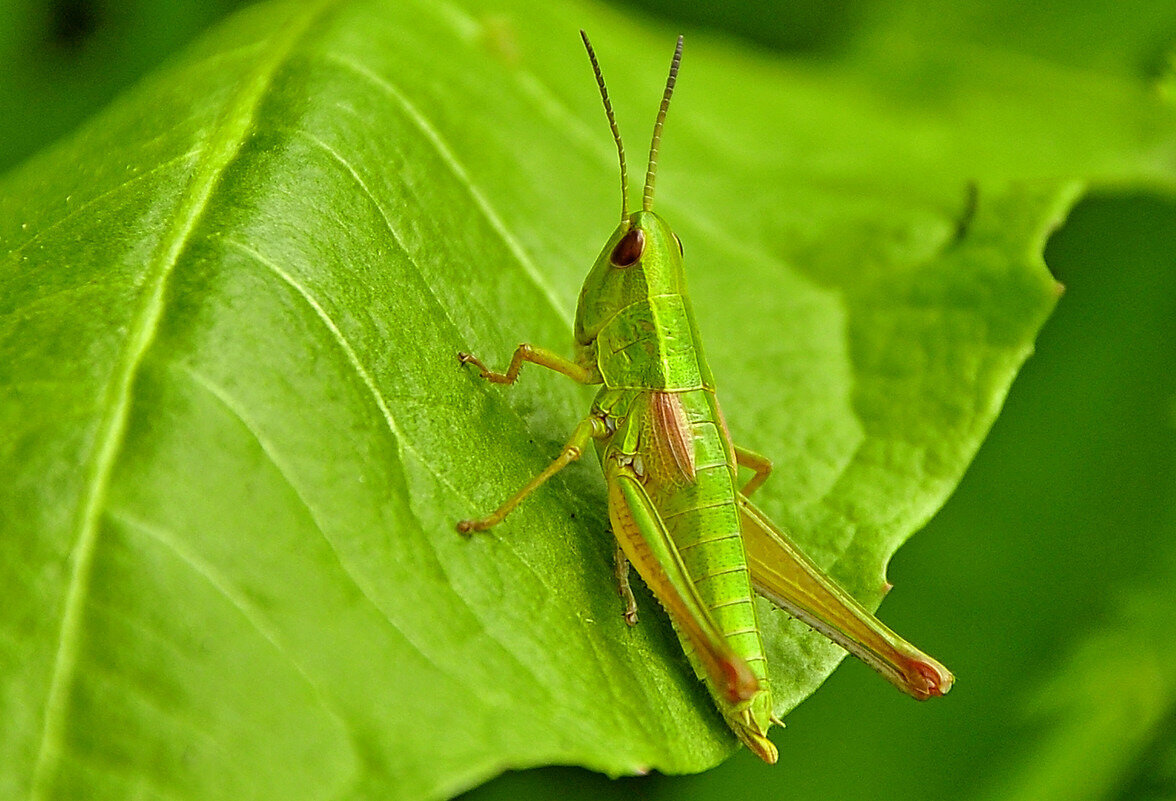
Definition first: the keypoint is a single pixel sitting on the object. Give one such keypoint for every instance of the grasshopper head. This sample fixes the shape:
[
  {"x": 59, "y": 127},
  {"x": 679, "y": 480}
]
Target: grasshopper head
[{"x": 641, "y": 259}]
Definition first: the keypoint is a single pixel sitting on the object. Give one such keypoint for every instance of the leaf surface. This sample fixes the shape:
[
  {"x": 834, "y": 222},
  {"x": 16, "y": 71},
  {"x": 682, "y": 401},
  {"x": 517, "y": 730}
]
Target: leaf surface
[{"x": 236, "y": 437}]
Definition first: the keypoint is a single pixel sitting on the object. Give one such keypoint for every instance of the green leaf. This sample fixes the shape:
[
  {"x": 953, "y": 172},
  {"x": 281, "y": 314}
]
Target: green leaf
[{"x": 236, "y": 437}]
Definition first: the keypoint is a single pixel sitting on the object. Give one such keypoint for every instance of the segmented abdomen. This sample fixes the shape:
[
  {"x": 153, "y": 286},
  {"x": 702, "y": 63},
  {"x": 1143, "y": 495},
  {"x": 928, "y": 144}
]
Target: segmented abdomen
[{"x": 700, "y": 511}]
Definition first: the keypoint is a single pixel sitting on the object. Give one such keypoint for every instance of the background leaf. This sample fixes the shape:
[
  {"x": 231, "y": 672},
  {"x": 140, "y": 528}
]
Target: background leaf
[
  {"x": 63, "y": 59},
  {"x": 239, "y": 439}
]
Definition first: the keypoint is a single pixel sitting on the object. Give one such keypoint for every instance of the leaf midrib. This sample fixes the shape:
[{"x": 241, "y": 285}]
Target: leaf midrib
[{"x": 228, "y": 136}]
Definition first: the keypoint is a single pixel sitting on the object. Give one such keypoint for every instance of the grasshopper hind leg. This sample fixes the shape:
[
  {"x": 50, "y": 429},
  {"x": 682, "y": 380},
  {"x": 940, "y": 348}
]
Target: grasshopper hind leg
[{"x": 621, "y": 568}]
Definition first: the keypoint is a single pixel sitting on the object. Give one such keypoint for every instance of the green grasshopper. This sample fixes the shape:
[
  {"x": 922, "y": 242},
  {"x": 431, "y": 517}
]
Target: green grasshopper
[{"x": 677, "y": 511}]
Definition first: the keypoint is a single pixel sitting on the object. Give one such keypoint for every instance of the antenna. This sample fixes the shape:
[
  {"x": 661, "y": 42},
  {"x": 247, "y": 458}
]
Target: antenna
[
  {"x": 612, "y": 123},
  {"x": 651, "y": 173}
]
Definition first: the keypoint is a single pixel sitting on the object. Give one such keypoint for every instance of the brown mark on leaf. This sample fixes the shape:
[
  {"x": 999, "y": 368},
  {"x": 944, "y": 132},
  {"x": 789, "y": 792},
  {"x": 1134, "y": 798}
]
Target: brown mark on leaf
[
  {"x": 673, "y": 430},
  {"x": 500, "y": 39}
]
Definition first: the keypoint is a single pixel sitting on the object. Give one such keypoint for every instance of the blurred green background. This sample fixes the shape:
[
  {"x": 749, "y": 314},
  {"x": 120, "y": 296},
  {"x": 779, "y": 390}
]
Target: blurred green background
[
  {"x": 62, "y": 60},
  {"x": 1051, "y": 573}
]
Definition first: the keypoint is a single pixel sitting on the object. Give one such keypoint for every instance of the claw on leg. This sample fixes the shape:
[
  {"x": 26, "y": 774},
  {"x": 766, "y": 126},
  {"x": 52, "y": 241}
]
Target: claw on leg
[
  {"x": 508, "y": 377},
  {"x": 530, "y": 353}
]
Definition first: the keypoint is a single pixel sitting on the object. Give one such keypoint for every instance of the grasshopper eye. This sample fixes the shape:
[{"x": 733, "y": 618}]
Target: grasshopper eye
[
  {"x": 629, "y": 249},
  {"x": 681, "y": 251}
]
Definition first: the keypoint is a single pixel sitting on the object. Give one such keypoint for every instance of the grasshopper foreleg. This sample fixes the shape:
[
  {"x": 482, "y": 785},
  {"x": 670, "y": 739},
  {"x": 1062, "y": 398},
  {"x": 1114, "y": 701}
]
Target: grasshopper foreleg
[
  {"x": 621, "y": 563},
  {"x": 761, "y": 464},
  {"x": 573, "y": 450},
  {"x": 535, "y": 355}
]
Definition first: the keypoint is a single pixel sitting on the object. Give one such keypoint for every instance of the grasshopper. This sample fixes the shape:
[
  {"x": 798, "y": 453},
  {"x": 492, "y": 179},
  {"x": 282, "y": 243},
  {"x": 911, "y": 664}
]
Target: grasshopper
[{"x": 677, "y": 511}]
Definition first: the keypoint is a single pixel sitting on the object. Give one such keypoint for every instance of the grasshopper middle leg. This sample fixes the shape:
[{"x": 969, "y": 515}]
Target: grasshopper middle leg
[
  {"x": 588, "y": 429},
  {"x": 761, "y": 464}
]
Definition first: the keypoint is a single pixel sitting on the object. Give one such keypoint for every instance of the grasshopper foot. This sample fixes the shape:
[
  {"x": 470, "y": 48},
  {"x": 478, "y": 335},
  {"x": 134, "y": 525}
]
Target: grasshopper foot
[
  {"x": 497, "y": 378},
  {"x": 470, "y": 526},
  {"x": 469, "y": 358}
]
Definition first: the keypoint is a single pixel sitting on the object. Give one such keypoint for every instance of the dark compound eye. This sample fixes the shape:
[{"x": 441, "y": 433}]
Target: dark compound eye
[
  {"x": 679, "y": 241},
  {"x": 629, "y": 249}
]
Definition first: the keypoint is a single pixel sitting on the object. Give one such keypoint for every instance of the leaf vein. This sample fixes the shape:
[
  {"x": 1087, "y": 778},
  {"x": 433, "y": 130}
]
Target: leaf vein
[
  {"x": 353, "y": 359},
  {"x": 11, "y": 256},
  {"x": 450, "y": 159},
  {"x": 271, "y": 455},
  {"x": 402, "y": 441},
  {"x": 224, "y": 587},
  {"x": 225, "y": 142}
]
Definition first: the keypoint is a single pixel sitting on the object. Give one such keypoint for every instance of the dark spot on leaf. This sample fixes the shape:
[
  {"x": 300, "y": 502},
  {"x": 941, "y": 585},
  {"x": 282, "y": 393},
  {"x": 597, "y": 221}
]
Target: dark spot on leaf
[
  {"x": 964, "y": 221},
  {"x": 73, "y": 22}
]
